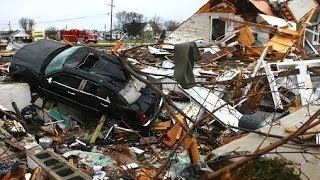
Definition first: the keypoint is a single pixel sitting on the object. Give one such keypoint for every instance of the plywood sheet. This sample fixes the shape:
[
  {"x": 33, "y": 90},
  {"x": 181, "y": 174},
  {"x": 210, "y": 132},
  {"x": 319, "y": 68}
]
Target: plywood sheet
[
  {"x": 246, "y": 37},
  {"x": 281, "y": 43}
]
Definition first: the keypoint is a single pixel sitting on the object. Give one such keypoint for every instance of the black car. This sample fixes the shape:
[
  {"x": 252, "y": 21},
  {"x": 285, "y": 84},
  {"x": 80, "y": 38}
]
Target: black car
[{"x": 86, "y": 78}]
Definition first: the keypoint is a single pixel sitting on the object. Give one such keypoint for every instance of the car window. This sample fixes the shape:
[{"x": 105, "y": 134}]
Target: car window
[
  {"x": 89, "y": 62},
  {"x": 68, "y": 80},
  {"x": 58, "y": 61},
  {"x": 93, "y": 88}
]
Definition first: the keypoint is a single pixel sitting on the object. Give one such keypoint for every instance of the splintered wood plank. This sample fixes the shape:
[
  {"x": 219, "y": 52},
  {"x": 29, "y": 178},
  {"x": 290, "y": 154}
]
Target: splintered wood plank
[
  {"x": 174, "y": 133},
  {"x": 281, "y": 43},
  {"x": 246, "y": 37},
  {"x": 208, "y": 56}
]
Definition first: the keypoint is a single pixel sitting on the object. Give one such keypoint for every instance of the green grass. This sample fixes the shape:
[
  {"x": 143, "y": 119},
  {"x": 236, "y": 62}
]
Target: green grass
[
  {"x": 131, "y": 41},
  {"x": 104, "y": 43}
]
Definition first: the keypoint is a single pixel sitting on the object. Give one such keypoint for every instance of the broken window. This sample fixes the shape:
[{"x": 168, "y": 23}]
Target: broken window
[
  {"x": 68, "y": 80},
  {"x": 93, "y": 88},
  {"x": 58, "y": 61},
  {"x": 218, "y": 29},
  {"x": 316, "y": 38},
  {"x": 89, "y": 62}
]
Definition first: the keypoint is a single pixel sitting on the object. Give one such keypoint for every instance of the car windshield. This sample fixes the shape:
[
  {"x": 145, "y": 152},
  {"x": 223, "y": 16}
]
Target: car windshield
[{"x": 58, "y": 61}]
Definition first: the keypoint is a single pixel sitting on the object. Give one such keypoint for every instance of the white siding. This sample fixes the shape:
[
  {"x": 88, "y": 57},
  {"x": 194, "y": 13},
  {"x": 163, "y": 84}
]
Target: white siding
[{"x": 197, "y": 27}]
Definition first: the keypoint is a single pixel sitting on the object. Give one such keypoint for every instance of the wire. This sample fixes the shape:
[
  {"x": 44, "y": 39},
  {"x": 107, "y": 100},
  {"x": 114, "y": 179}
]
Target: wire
[
  {"x": 68, "y": 19},
  {"x": 61, "y": 20}
]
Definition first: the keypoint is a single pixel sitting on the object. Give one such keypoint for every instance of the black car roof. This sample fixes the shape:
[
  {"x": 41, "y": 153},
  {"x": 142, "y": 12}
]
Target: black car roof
[
  {"x": 38, "y": 54},
  {"x": 108, "y": 70}
]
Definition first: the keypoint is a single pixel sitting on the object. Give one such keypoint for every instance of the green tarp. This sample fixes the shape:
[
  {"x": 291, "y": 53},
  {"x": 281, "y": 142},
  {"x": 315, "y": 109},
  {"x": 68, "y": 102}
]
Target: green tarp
[{"x": 186, "y": 54}]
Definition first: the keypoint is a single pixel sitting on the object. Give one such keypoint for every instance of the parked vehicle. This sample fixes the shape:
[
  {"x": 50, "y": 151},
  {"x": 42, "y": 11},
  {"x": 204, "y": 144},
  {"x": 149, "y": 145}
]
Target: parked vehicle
[
  {"x": 75, "y": 35},
  {"x": 87, "y": 78},
  {"x": 37, "y": 35}
]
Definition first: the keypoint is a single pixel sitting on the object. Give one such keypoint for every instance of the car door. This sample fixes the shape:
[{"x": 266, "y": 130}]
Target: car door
[
  {"x": 64, "y": 86},
  {"x": 96, "y": 95}
]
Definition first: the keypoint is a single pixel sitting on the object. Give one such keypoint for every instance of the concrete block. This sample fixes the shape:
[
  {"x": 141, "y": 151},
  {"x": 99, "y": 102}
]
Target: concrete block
[
  {"x": 57, "y": 167},
  {"x": 14, "y": 92}
]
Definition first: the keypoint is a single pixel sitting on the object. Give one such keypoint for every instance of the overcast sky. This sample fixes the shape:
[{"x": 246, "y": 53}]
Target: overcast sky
[{"x": 86, "y": 14}]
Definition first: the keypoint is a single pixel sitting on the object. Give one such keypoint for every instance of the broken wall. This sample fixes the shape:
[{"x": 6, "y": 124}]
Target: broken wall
[{"x": 197, "y": 27}]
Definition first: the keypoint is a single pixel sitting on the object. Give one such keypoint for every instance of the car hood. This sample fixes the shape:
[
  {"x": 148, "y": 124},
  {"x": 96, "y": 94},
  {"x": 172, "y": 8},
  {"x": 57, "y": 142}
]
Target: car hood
[{"x": 37, "y": 55}]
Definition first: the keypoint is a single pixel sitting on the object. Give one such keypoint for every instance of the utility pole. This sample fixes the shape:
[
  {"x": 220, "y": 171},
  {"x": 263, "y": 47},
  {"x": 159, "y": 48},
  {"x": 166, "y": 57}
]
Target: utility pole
[
  {"x": 27, "y": 26},
  {"x": 111, "y": 15},
  {"x": 9, "y": 26}
]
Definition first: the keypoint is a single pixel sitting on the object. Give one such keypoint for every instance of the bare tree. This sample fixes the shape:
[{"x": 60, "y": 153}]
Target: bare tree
[
  {"x": 121, "y": 19},
  {"x": 23, "y": 23},
  {"x": 26, "y": 24},
  {"x": 155, "y": 24},
  {"x": 130, "y": 22},
  {"x": 171, "y": 25},
  {"x": 31, "y": 23}
]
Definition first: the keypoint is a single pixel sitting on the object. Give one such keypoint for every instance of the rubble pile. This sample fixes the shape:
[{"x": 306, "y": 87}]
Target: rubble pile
[{"x": 161, "y": 110}]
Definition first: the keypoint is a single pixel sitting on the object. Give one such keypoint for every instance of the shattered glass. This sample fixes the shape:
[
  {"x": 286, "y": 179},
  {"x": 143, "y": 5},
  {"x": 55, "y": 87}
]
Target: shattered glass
[{"x": 57, "y": 62}]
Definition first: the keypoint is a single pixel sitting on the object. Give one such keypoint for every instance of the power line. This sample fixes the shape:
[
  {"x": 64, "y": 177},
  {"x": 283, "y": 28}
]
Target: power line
[
  {"x": 60, "y": 20},
  {"x": 69, "y": 19}
]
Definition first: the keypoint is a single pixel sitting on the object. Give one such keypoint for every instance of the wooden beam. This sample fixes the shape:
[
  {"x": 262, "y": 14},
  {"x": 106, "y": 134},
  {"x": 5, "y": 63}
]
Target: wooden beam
[{"x": 98, "y": 129}]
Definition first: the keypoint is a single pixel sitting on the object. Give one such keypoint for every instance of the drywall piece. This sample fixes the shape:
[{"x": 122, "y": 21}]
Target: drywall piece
[
  {"x": 300, "y": 8},
  {"x": 227, "y": 114},
  {"x": 158, "y": 73},
  {"x": 263, "y": 37},
  {"x": 15, "y": 92},
  {"x": 287, "y": 65},
  {"x": 273, "y": 86},
  {"x": 277, "y": 22},
  {"x": 156, "y": 51},
  {"x": 227, "y": 76},
  {"x": 207, "y": 100},
  {"x": 305, "y": 85}
]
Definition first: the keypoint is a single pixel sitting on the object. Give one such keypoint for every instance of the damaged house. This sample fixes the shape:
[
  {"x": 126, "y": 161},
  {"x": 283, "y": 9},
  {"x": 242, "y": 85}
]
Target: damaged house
[
  {"x": 269, "y": 22},
  {"x": 244, "y": 29}
]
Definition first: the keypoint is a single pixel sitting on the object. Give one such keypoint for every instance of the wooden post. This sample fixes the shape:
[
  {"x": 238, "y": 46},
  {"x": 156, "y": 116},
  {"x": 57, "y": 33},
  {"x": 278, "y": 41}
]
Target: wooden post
[{"x": 98, "y": 129}]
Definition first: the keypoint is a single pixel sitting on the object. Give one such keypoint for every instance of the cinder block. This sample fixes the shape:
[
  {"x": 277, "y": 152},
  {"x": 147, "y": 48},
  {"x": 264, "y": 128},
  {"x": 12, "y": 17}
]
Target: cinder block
[{"x": 57, "y": 167}]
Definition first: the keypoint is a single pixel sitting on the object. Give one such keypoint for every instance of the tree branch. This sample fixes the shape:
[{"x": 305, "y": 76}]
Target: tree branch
[{"x": 264, "y": 150}]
